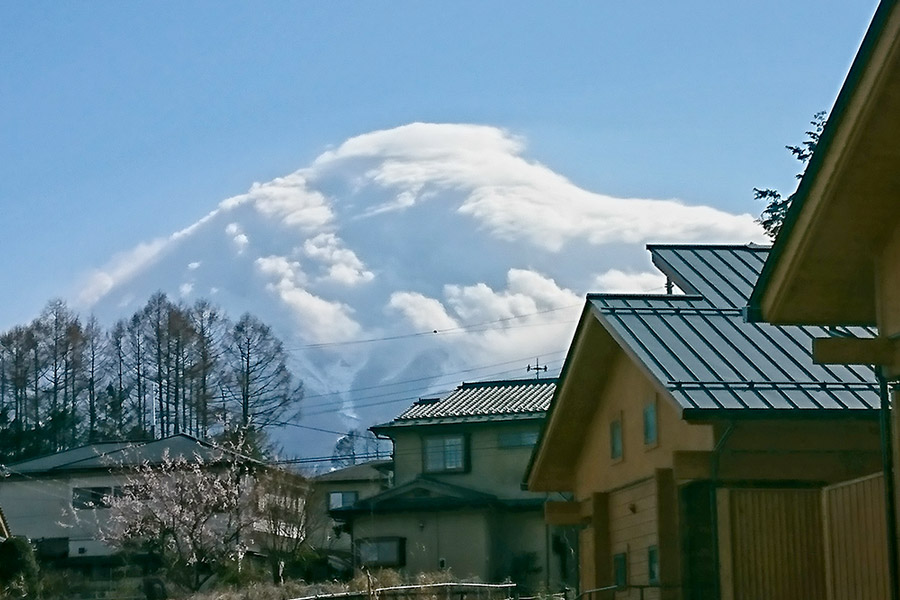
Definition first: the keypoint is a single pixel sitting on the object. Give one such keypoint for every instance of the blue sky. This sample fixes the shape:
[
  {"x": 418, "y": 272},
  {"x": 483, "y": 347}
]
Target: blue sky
[{"x": 124, "y": 122}]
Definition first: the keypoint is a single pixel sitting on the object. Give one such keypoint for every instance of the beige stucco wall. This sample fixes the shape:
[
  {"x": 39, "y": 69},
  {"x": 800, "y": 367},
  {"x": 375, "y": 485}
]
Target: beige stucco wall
[
  {"x": 322, "y": 532},
  {"x": 494, "y": 470},
  {"x": 627, "y": 389},
  {"x": 461, "y": 538}
]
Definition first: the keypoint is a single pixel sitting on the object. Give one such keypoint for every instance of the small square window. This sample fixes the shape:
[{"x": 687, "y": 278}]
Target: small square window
[
  {"x": 92, "y": 497},
  {"x": 341, "y": 499},
  {"x": 650, "y": 424},
  {"x": 620, "y": 569},
  {"x": 517, "y": 438},
  {"x": 382, "y": 552},
  {"x": 445, "y": 453},
  {"x": 615, "y": 439},
  {"x": 653, "y": 565}
]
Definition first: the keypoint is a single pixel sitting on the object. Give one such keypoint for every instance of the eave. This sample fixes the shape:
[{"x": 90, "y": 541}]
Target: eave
[{"x": 821, "y": 270}]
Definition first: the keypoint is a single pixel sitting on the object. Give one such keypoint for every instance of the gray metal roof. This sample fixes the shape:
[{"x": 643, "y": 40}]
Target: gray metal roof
[
  {"x": 700, "y": 348},
  {"x": 482, "y": 401},
  {"x": 106, "y": 455},
  {"x": 722, "y": 274}
]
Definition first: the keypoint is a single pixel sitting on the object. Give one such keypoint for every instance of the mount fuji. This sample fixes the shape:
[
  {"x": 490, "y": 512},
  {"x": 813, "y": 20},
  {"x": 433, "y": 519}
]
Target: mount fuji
[{"x": 404, "y": 261}]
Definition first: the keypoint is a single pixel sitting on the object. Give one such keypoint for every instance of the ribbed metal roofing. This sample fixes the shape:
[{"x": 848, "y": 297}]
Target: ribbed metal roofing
[
  {"x": 703, "y": 351},
  {"x": 488, "y": 400},
  {"x": 723, "y": 275}
]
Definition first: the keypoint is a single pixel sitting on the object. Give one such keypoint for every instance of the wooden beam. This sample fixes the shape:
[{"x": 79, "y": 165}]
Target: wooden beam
[
  {"x": 763, "y": 465},
  {"x": 855, "y": 351},
  {"x": 692, "y": 464},
  {"x": 669, "y": 541},
  {"x": 566, "y": 513}
]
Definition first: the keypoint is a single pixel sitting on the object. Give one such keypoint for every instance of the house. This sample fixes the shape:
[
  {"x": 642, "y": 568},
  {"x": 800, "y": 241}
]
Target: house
[
  {"x": 60, "y": 501},
  {"x": 699, "y": 450},
  {"x": 837, "y": 260},
  {"x": 341, "y": 488},
  {"x": 457, "y": 501}
]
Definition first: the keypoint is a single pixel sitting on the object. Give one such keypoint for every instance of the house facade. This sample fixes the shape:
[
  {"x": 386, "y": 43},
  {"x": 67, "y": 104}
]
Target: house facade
[
  {"x": 701, "y": 451},
  {"x": 339, "y": 489},
  {"x": 60, "y": 501},
  {"x": 457, "y": 502},
  {"x": 837, "y": 260}
]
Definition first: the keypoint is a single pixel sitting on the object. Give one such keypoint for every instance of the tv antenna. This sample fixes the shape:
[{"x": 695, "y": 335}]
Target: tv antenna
[{"x": 537, "y": 367}]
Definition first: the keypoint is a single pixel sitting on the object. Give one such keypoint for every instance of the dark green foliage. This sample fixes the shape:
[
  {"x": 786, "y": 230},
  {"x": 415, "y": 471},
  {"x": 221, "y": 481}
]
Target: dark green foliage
[
  {"x": 773, "y": 214},
  {"x": 19, "y": 576}
]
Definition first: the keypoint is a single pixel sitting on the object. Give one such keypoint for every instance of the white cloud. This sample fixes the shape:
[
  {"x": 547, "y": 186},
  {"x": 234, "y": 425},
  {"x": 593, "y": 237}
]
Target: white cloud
[
  {"x": 193, "y": 266},
  {"x": 422, "y": 312},
  {"x": 517, "y": 199},
  {"x": 485, "y": 325},
  {"x": 319, "y": 319},
  {"x": 288, "y": 199},
  {"x": 616, "y": 281},
  {"x": 281, "y": 268},
  {"x": 185, "y": 289},
  {"x": 342, "y": 264},
  {"x": 527, "y": 293},
  {"x": 238, "y": 237},
  {"x": 121, "y": 268}
]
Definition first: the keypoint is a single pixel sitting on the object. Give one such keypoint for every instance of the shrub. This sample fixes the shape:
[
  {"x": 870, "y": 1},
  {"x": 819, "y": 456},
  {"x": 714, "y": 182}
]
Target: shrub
[{"x": 19, "y": 576}]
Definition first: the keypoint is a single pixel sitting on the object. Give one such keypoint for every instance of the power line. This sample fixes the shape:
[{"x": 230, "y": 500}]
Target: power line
[
  {"x": 450, "y": 330},
  {"x": 421, "y": 379}
]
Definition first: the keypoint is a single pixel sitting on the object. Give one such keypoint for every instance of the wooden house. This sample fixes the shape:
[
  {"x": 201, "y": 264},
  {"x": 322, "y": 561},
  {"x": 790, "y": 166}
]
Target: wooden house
[
  {"x": 699, "y": 449},
  {"x": 837, "y": 260}
]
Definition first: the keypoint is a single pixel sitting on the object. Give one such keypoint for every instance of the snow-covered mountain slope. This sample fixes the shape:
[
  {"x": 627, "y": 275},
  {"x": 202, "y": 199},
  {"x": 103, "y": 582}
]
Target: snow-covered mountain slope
[{"x": 406, "y": 261}]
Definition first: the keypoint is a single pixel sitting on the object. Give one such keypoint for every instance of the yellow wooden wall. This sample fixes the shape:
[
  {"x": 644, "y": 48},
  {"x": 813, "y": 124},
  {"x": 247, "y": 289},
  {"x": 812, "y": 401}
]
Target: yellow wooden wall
[
  {"x": 775, "y": 541},
  {"x": 856, "y": 540}
]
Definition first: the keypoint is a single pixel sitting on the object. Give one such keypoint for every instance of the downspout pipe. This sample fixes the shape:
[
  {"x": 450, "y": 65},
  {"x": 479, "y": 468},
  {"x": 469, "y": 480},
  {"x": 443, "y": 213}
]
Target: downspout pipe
[
  {"x": 890, "y": 499},
  {"x": 713, "y": 505}
]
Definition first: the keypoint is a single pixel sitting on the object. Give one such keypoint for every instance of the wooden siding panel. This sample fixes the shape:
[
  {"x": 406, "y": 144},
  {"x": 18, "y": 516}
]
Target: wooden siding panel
[
  {"x": 633, "y": 528},
  {"x": 855, "y": 522},
  {"x": 777, "y": 544}
]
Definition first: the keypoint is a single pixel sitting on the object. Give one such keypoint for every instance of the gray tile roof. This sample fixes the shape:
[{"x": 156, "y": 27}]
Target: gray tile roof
[
  {"x": 483, "y": 401},
  {"x": 700, "y": 348}
]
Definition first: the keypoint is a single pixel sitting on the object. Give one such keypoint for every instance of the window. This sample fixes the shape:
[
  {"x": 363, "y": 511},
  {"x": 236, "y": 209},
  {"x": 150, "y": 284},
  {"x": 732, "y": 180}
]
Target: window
[
  {"x": 615, "y": 439},
  {"x": 620, "y": 569},
  {"x": 382, "y": 552},
  {"x": 94, "y": 497},
  {"x": 341, "y": 499},
  {"x": 651, "y": 436},
  {"x": 445, "y": 453},
  {"x": 517, "y": 439},
  {"x": 653, "y": 565}
]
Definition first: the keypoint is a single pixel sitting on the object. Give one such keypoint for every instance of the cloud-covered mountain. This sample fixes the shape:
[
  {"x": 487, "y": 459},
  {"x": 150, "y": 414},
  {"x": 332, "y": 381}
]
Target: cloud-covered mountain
[{"x": 407, "y": 260}]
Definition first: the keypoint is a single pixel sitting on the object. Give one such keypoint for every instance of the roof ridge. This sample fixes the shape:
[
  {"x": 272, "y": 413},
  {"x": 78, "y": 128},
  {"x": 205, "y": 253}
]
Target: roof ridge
[{"x": 502, "y": 382}]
